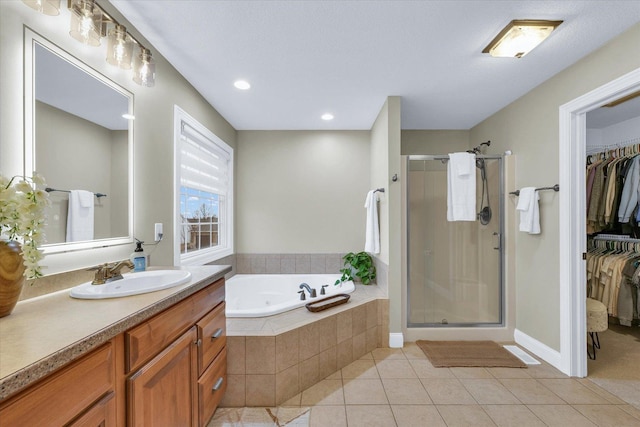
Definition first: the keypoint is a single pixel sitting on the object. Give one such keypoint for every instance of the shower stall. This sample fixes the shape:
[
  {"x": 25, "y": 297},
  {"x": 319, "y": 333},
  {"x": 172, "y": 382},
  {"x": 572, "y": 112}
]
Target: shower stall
[{"x": 454, "y": 270}]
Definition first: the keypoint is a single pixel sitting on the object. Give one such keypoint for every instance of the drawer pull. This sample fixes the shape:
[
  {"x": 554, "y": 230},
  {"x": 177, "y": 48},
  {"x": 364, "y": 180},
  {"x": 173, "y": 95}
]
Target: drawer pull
[
  {"x": 198, "y": 342},
  {"x": 218, "y": 384},
  {"x": 216, "y": 334}
]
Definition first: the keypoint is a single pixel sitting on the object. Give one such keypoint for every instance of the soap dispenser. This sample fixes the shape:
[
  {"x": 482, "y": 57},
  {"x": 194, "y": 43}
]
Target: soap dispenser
[{"x": 139, "y": 257}]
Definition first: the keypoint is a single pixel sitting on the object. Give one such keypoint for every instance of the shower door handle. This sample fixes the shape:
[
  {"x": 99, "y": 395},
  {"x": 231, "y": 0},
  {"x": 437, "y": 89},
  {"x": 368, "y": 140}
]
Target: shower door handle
[{"x": 499, "y": 240}]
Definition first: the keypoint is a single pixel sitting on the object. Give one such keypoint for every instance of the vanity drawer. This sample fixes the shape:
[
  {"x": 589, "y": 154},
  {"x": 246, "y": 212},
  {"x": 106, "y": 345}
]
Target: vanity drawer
[
  {"x": 212, "y": 331},
  {"x": 102, "y": 414},
  {"x": 211, "y": 387},
  {"x": 149, "y": 338},
  {"x": 61, "y": 397}
]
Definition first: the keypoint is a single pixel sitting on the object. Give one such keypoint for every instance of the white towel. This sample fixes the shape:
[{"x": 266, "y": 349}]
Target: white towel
[
  {"x": 461, "y": 187},
  {"x": 80, "y": 216},
  {"x": 372, "y": 229},
  {"x": 529, "y": 210}
]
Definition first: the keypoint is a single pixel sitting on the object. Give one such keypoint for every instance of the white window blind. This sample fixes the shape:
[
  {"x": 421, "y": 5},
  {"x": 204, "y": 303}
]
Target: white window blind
[
  {"x": 203, "y": 165},
  {"x": 203, "y": 194}
]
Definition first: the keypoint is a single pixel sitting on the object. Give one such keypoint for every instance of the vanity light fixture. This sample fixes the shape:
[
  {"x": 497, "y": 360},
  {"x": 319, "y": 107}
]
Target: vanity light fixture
[
  {"x": 48, "y": 7},
  {"x": 89, "y": 24},
  {"x": 327, "y": 116},
  {"x": 119, "y": 47},
  {"x": 520, "y": 37},
  {"x": 144, "y": 68},
  {"x": 86, "y": 22}
]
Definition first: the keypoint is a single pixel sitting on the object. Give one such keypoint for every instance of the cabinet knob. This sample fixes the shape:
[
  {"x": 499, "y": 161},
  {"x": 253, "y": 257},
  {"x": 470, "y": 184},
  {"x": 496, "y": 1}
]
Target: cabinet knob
[
  {"x": 216, "y": 334},
  {"x": 218, "y": 384},
  {"x": 198, "y": 342}
]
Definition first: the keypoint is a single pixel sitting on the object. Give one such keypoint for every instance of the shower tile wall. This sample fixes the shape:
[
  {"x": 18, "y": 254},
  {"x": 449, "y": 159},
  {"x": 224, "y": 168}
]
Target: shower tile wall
[{"x": 289, "y": 263}]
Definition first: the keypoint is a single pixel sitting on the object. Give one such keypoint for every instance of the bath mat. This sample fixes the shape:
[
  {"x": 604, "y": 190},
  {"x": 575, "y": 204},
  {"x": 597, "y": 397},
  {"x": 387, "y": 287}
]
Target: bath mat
[{"x": 446, "y": 354}]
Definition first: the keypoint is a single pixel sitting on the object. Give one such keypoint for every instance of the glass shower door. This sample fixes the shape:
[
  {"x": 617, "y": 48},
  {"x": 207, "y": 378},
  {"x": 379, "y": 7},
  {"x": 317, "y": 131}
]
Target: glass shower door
[{"x": 454, "y": 268}]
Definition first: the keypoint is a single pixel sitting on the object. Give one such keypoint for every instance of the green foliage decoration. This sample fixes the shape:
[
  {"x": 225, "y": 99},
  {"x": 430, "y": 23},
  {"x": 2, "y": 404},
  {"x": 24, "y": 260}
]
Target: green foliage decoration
[{"x": 359, "y": 265}]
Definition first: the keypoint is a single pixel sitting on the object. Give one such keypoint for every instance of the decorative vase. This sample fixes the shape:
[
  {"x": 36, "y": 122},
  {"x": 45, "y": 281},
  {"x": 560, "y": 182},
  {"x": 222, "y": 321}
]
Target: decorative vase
[{"x": 11, "y": 275}]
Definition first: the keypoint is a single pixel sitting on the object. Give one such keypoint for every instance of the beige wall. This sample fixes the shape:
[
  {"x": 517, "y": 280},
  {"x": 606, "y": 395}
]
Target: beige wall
[
  {"x": 153, "y": 127},
  {"x": 380, "y": 175},
  {"x": 529, "y": 127},
  {"x": 301, "y": 191},
  {"x": 436, "y": 142},
  {"x": 385, "y": 163}
]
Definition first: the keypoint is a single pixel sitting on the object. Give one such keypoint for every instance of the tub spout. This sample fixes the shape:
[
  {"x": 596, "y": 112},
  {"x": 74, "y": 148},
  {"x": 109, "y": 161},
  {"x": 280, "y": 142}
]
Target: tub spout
[{"x": 312, "y": 291}]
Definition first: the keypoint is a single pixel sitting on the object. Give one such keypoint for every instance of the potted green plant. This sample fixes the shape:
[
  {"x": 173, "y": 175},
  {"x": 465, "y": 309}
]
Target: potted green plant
[{"x": 359, "y": 265}]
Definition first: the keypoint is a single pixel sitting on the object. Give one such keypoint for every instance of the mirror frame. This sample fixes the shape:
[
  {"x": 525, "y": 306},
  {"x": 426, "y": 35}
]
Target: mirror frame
[{"x": 31, "y": 38}]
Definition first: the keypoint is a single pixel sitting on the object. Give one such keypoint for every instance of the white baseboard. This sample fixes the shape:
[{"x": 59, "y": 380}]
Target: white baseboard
[
  {"x": 541, "y": 350},
  {"x": 396, "y": 340}
]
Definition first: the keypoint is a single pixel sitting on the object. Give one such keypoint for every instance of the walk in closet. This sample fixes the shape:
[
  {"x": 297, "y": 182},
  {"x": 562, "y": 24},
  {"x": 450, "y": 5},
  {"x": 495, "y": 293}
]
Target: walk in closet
[{"x": 613, "y": 237}]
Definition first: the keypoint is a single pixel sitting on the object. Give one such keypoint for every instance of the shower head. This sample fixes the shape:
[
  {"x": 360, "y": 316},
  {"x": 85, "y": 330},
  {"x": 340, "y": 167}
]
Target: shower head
[{"x": 477, "y": 150}]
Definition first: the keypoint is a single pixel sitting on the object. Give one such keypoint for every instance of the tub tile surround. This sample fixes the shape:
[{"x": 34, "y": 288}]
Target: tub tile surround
[
  {"x": 274, "y": 358},
  {"x": 329, "y": 263}
]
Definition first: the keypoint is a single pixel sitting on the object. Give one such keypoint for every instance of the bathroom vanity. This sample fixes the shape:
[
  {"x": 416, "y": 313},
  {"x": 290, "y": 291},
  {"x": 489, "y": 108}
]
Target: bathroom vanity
[{"x": 151, "y": 359}]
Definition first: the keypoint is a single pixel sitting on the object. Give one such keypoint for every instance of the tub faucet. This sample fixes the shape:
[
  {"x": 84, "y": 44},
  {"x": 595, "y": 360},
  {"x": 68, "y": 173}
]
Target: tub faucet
[{"x": 312, "y": 292}]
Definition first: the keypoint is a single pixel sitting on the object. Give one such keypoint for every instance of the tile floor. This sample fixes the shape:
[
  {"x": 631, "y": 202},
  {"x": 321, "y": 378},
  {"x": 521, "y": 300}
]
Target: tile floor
[{"x": 399, "y": 387}]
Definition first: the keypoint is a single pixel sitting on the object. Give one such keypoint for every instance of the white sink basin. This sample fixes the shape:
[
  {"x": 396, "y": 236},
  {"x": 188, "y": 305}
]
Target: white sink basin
[{"x": 132, "y": 284}]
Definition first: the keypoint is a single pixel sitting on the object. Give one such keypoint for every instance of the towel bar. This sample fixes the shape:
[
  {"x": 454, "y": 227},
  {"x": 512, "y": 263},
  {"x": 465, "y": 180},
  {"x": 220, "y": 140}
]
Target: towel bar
[
  {"x": 49, "y": 190},
  {"x": 554, "y": 188}
]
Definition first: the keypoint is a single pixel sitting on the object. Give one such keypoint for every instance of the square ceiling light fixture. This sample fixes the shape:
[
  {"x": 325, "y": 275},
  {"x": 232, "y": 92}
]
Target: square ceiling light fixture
[{"x": 520, "y": 37}]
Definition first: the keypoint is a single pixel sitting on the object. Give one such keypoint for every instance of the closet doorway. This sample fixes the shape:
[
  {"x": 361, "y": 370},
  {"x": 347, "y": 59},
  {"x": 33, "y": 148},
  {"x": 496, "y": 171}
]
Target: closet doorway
[
  {"x": 573, "y": 241},
  {"x": 613, "y": 243}
]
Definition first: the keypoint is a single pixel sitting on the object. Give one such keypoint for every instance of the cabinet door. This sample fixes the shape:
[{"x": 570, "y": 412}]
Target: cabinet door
[{"x": 164, "y": 391}]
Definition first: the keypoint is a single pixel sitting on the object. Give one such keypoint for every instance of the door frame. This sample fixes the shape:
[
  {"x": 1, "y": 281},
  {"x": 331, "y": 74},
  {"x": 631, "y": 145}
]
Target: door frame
[{"x": 572, "y": 145}]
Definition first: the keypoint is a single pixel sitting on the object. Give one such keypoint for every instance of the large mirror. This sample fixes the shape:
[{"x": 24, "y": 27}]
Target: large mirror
[{"x": 79, "y": 137}]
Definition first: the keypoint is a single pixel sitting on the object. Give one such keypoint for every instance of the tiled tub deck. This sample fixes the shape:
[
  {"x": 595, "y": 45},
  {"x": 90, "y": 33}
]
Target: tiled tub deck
[{"x": 272, "y": 359}]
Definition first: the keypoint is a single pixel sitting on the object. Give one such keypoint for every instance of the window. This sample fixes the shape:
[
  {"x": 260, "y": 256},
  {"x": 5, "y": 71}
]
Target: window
[{"x": 204, "y": 193}]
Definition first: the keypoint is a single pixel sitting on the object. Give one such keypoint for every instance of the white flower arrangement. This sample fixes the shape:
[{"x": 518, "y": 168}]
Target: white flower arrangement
[{"x": 22, "y": 217}]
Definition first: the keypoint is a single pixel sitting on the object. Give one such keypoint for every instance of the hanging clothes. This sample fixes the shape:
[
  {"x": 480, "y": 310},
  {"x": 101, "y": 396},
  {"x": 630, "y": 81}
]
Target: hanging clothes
[
  {"x": 629, "y": 197},
  {"x": 613, "y": 191},
  {"x": 610, "y": 269}
]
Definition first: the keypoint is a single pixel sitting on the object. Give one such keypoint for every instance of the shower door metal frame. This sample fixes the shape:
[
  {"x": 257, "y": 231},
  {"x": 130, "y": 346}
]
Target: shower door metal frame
[{"x": 444, "y": 158}]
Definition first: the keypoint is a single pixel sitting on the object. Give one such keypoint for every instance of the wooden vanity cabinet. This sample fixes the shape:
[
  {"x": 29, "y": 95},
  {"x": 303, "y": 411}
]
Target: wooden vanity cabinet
[
  {"x": 79, "y": 394},
  {"x": 168, "y": 370},
  {"x": 175, "y": 376}
]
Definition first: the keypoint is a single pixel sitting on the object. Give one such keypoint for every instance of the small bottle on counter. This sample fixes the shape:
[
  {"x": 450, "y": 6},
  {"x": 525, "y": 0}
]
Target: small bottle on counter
[{"x": 139, "y": 257}]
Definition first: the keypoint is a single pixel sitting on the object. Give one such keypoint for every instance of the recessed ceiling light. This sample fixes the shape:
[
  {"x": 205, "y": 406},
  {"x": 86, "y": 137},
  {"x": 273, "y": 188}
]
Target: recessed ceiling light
[
  {"x": 520, "y": 37},
  {"x": 327, "y": 116},
  {"x": 242, "y": 84},
  {"x": 128, "y": 116}
]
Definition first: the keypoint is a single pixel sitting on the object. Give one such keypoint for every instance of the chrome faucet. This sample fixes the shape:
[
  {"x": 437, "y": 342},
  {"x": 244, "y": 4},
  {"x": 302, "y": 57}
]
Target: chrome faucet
[
  {"x": 109, "y": 272},
  {"x": 312, "y": 292}
]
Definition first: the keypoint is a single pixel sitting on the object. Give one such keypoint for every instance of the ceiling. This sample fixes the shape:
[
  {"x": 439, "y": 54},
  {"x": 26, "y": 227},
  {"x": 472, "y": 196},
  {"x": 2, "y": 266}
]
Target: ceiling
[
  {"x": 305, "y": 58},
  {"x": 606, "y": 116}
]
